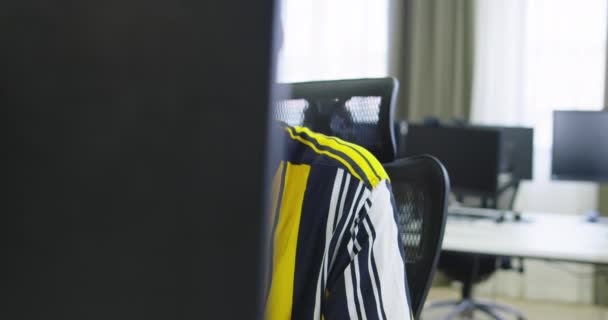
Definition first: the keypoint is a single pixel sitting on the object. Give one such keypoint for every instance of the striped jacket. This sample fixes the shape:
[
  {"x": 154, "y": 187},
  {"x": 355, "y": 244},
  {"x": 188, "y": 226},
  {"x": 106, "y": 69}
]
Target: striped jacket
[{"x": 334, "y": 241}]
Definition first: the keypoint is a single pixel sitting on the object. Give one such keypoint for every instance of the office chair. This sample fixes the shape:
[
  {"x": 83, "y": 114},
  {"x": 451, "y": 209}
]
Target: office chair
[
  {"x": 421, "y": 188},
  {"x": 358, "y": 110},
  {"x": 472, "y": 156},
  {"x": 471, "y": 269},
  {"x": 361, "y": 111}
]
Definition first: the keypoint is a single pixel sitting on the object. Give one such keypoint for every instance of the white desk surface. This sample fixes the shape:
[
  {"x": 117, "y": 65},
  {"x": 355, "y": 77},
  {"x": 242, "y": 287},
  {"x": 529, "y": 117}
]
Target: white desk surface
[{"x": 538, "y": 235}]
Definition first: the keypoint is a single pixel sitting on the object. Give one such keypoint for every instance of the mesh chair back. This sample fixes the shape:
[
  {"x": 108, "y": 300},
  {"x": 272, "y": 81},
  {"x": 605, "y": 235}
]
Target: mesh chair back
[
  {"x": 420, "y": 187},
  {"x": 359, "y": 111}
]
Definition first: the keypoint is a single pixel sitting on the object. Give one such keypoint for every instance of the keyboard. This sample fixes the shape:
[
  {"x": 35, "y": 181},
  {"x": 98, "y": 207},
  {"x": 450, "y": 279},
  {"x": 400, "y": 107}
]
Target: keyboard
[{"x": 476, "y": 213}]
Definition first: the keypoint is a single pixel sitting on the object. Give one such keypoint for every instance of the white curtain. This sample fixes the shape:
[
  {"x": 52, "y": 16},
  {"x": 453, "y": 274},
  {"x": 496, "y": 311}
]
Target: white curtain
[
  {"x": 333, "y": 39},
  {"x": 533, "y": 57},
  {"x": 536, "y": 56},
  {"x": 499, "y": 71}
]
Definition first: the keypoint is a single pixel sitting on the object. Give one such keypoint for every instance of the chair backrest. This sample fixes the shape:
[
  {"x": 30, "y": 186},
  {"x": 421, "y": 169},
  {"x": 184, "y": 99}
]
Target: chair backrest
[
  {"x": 358, "y": 110},
  {"x": 421, "y": 188}
]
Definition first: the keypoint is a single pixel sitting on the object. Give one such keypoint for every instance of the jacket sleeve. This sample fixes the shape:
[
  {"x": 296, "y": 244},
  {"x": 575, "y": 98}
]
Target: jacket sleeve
[{"x": 371, "y": 284}]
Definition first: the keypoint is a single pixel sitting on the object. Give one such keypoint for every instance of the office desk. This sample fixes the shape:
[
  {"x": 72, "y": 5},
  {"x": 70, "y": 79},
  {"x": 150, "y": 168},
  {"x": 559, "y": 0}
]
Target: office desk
[{"x": 538, "y": 236}]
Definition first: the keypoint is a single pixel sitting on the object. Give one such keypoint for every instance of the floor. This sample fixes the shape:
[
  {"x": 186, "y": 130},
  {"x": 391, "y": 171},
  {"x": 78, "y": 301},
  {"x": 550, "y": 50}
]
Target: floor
[{"x": 533, "y": 310}]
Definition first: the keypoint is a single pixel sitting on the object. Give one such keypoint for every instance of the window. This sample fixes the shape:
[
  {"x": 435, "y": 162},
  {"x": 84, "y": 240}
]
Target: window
[
  {"x": 336, "y": 39},
  {"x": 537, "y": 56},
  {"x": 566, "y": 49},
  {"x": 534, "y": 57}
]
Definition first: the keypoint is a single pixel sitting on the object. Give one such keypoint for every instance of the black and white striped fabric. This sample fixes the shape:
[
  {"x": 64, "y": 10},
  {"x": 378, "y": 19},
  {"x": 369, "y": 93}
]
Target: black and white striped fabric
[{"x": 335, "y": 246}]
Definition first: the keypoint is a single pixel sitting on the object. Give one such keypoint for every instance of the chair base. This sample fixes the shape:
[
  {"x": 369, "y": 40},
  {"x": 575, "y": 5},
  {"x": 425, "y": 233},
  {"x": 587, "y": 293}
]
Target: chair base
[{"x": 466, "y": 307}]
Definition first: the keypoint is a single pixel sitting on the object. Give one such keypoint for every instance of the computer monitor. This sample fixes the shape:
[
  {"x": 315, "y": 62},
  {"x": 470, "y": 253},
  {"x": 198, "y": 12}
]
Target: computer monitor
[
  {"x": 580, "y": 146},
  {"x": 470, "y": 155},
  {"x": 136, "y": 140},
  {"x": 517, "y": 154},
  {"x": 517, "y": 146}
]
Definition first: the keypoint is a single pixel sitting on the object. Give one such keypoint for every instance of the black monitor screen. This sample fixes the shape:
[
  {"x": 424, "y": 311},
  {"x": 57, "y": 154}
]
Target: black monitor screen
[
  {"x": 580, "y": 146},
  {"x": 470, "y": 155}
]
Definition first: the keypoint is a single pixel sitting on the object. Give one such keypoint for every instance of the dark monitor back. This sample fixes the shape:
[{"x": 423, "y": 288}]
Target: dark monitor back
[
  {"x": 470, "y": 155},
  {"x": 132, "y": 128},
  {"x": 517, "y": 154},
  {"x": 580, "y": 146},
  {"x": 400, "y": 130}
]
